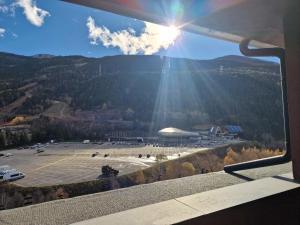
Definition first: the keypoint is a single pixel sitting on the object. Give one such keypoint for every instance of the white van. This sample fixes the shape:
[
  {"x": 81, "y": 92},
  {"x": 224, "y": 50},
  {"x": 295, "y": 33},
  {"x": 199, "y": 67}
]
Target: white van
[
  {"x": 11, "y": 175},
  {"x": 86, "y": 141}
]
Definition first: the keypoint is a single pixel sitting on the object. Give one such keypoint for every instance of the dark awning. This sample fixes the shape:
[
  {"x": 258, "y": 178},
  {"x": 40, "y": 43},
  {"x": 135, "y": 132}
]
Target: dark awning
[{"x": 233, "y": 20}]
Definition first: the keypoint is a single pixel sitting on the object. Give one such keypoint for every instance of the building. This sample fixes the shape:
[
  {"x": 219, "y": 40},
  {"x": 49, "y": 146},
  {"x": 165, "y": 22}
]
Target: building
[
  {"x": 228, "y": 130},
  {"x": 215, "y": 131},
  {"x": 233, "y": 130},
  {"x": 176, "y": 136}
]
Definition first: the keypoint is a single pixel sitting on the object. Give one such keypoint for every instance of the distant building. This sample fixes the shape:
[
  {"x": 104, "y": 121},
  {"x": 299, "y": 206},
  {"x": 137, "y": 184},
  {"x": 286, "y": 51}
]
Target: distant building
[
  {"x": 233, "y": 130},
  {"x": 100, "y": 70},
  {"x": 215, "y": 131},
  {"x": 175, "y": 132},
  {"x": 175, "y": 135},
  {"x": 221, "y": 70}
]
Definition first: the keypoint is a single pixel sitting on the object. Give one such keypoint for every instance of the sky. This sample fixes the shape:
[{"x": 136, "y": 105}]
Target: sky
[{"x": 30, "y": 27}]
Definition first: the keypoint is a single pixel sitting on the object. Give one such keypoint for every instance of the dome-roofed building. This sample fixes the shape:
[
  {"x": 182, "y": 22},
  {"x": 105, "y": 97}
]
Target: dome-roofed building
[
  {"x": 175, "y": 132},
  {"x": 176, "y": 136}
]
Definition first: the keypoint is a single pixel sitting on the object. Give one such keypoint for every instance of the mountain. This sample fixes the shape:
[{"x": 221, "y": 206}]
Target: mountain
[
  {"x": 94, "y": 96},
  {"x": 43, "y": 56}
]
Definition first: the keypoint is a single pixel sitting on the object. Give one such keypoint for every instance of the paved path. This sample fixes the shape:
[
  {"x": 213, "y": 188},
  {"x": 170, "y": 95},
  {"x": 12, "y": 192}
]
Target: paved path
[{"x": 90, "y": 206}]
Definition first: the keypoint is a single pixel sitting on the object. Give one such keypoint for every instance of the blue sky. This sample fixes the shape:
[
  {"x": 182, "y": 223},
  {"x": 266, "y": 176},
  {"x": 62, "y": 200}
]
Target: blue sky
[{"x": 64, "y": 31}]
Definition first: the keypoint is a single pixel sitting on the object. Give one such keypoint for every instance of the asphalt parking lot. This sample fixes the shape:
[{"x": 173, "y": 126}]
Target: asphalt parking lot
[{"x": 73, "y": 162}]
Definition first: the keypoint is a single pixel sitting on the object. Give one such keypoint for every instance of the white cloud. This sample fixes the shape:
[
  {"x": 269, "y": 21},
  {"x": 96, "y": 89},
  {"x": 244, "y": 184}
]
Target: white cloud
[
  {"x": 3, "y": 8},
  {"x": 151, "y": 40},
  {"x": 14, "y": 35},
  {"x": 7, "y": 9},
  {"x": 2, "y": 31},
  {"x": 33, "y": 14}
]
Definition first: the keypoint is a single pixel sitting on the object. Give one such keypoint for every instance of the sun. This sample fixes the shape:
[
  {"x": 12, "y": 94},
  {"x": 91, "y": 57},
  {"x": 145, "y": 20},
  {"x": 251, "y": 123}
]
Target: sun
[{"x": 169, "y": 34}]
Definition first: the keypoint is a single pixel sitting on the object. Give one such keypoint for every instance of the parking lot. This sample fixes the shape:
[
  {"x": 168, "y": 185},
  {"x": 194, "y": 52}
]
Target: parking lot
[{"x": 73, "y": 162}]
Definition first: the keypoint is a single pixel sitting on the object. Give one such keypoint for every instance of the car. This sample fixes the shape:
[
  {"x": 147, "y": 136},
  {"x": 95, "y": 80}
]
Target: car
[
  {"x": 95, "y": 154},
  {"x": 11, "y": 175},
  {"x": 39, "y": 150},
  {"x": 86, "y": 141},
  {"x": 8, "y": 154}
]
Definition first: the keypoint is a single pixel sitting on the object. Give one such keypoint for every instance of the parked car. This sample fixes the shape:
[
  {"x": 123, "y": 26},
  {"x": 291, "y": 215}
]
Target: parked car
[
  {"x": 39, "y": 150},
  {"x": 95, "y": 154},
  {"x": 11, "y": 175},
  {"x": 86, "y": 141},
  {"x": 8, "y": 154}
]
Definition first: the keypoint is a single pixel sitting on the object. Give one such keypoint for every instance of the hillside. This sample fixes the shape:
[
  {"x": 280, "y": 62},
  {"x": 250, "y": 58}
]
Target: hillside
[{"x": 139, "y": 94}]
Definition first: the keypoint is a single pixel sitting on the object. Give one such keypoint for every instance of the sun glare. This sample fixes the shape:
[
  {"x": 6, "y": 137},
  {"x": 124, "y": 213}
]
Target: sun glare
[{"x": 169, "y": 34}]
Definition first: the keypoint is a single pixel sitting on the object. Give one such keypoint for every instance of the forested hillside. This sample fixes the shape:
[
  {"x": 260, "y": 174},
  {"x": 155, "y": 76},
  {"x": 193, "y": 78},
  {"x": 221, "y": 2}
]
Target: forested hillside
[{"x": 93, "y": 96}]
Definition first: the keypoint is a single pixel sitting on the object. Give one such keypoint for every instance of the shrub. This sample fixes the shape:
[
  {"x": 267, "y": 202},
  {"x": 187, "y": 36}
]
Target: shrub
[
  {"x": 160, "y": 157},
  {"x": 187, "y": 169},
  {"x": 248, "y": 154}
]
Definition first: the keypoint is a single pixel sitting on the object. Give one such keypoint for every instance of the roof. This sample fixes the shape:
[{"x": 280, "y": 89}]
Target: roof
[
  {"x": 233, "y": 129},
  {"x": 175, "y": 132},
  {"x": 234, "y": 20}
]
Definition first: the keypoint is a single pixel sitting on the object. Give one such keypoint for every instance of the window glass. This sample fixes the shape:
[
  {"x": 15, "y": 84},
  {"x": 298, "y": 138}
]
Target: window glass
[{"x": 89, "y": 95}]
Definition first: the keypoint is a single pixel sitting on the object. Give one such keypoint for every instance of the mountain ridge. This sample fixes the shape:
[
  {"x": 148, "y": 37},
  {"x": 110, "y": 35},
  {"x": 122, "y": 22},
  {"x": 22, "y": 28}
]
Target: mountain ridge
[{"x": 149, "y": 92}]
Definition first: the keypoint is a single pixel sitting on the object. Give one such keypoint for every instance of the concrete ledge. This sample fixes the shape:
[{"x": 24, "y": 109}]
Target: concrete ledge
[
  {"x": 86, "y": 207},
  {"x": 188, "y": 207}
]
